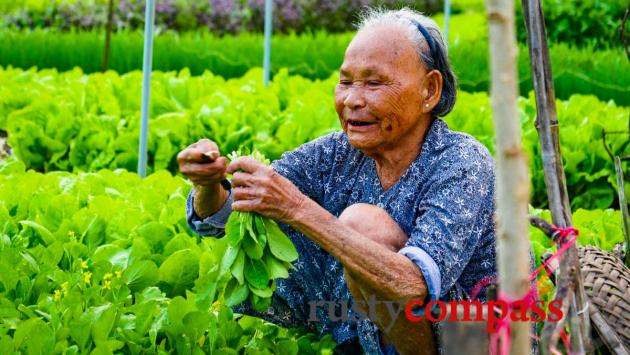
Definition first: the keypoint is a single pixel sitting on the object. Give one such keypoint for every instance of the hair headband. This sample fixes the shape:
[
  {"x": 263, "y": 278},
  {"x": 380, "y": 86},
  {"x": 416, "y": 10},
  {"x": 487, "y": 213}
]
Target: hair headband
[{"x": 427, "y": 37}]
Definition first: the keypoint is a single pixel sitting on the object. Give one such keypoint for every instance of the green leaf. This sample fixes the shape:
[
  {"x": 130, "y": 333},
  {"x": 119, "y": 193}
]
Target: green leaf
[
  {"x": 228, "y": 259},
  {"x": 238, "y": 266},
  {"x": 287, "y": 347},
  {"x": 279, "y": 244},
  {"x": 196, "y": 324},
  {"x": 233, "y": 229},
  {"x": 252, "y": 248},
  {"x": 261, "y": 304},
  {"x": 260, "y": 230},
  {"x": 242, "y": 216},
  {"x": 266, "y": 292},
  {"x": 103, "y": 325},
  {"x": 256, "y": 273},
  {"x": 249, "y": 224},
  {"x": 34, "y": 336},
  {"x": 276, "y": 268},
  {"x": 141, "y": 275},
  {"x": 179, "y": 271},
  {"x": 46, "y": 236},
  {"x": 235, "y": 293},
  {"x": 178, "y": 308}
]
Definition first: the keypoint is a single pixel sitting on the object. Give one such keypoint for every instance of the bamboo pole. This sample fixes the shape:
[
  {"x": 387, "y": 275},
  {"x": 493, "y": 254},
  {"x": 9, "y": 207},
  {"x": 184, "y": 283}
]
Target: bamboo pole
[
  {"x": 623, "y": 206},
  {"x": 512, "y": 174},
  {"x": 570, "y": 278}
]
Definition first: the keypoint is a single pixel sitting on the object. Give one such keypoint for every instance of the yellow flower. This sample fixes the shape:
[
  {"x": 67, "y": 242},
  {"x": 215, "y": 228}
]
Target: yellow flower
[
  {"x": 107, "y": 284},
  {"x": 84, "y": 264},
  {"x": 201, "y": 340},
  {"x": 65, "y": 287},
  {"x": 71, "y": 234},
  {"x": 118, "y": 274},
  {"x": 87, "y": 277},
  {"x": 57, "y": 295},
  {"x": 107, "y": 276}
]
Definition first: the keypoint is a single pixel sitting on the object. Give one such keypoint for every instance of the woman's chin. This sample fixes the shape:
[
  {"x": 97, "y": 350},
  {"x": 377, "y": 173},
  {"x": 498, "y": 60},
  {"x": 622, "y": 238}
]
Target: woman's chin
[{"x": 362, "y": 142}]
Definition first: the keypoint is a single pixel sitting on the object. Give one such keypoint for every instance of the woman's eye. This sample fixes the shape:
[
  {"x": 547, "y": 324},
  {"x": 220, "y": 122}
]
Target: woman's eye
[
  {"x": 345, "y": 82},
  {"x": 374, "y": 83}
]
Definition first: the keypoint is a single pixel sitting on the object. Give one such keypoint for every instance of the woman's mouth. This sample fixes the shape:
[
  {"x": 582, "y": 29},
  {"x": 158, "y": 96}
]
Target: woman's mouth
[{"x": 357, "y": 125}]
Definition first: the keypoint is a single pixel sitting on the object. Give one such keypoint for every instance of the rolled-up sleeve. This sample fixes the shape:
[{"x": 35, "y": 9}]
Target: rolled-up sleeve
[
  {"x": 428, "y": 267},
  {"x": 452, "y": 218},
  {"x": 213, "y": 225}
]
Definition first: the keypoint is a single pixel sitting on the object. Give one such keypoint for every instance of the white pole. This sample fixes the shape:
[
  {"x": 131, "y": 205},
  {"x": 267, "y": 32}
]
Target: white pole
[
  {"x": 146, "y": 86},
  {"x": 267, "y": 43},
  {"x": 447, "y": 19}
]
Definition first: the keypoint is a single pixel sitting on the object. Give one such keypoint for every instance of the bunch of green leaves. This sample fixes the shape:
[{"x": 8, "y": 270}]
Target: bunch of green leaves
[
  {"x": 106, "y": 263},
  {"x": 258, "y": 252}
]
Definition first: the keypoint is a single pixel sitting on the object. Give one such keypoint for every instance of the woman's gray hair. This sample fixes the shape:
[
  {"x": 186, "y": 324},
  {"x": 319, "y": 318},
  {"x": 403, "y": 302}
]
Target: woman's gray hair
[{"x": 437, "y": 59}]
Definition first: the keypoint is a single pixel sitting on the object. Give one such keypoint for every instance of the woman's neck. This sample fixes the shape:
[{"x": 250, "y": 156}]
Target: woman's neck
[{"x": 392, "y": 162}]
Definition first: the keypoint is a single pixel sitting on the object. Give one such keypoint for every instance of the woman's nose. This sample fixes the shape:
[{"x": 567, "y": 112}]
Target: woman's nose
[{"x": 354, "y": 99}]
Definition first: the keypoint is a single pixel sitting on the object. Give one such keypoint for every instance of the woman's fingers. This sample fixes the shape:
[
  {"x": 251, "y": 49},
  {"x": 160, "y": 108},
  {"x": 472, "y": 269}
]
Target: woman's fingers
[
  {"x": 209, "y": 169},
  {"x": 244, "y": 206},
  {"x": 244, "y": 179},
  {"x": 202, "y": 151},
  {"x": 246, "y": 164},
  {"x": 197, "y": 155},
  {"x": 206, "y": 145},
  {"x": 245, "y": 193}
]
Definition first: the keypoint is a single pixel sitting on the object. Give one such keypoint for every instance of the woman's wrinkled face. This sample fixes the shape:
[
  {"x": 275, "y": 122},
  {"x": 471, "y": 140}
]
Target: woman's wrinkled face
[{"x": 379, "y": 97}]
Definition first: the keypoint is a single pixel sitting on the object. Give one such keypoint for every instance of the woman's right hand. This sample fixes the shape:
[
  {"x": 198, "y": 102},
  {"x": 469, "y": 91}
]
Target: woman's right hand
[{"x": 203, "y": 164}]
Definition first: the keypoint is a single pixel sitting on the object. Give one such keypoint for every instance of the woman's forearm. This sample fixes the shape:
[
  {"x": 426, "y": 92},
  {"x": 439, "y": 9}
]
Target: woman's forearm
[
  {"x": 209, "y": 199},
  {"x": 392, "y": 275}
]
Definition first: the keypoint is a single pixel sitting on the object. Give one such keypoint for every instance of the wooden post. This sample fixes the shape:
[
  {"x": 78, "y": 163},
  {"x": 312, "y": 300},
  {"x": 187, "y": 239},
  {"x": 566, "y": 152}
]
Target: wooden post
[
  {"x": 512, "y": 175},
  {"x": 108, "y": 36},
  {"x": 570, "y": 279}
]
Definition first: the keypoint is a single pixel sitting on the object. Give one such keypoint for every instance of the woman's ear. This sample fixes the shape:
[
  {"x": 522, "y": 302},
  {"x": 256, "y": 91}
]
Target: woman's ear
[{"x": 432, "y": 90}]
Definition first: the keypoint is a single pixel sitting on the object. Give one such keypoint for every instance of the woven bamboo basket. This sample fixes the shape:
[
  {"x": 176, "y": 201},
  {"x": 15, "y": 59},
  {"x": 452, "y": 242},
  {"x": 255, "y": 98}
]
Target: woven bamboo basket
[{"x": 607, "y": 284}]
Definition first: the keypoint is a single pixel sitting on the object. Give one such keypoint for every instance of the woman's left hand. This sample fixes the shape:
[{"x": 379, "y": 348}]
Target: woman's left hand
[{"x": 258, "y": 188}]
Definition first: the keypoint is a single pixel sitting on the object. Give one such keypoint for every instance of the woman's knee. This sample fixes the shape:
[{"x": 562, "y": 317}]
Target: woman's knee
[{"x": 374, "y": 223}]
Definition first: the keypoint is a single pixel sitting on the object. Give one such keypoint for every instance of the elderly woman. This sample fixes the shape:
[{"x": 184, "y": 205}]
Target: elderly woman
[{"x": 395, "y": 207}]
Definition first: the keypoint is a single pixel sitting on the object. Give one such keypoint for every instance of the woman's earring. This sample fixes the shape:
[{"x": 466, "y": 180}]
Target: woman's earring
[{"x": 426, "y": 105}]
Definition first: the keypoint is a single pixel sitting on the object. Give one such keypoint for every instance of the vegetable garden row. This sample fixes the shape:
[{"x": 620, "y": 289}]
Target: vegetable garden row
[
  {"x": 76, "y": 122},
  {"x": 604, "y": 73},
  {"x": 586, "y": 22}
]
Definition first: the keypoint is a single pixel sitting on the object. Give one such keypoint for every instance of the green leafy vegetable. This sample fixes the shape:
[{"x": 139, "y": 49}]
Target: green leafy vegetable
[{"x": 264, "y": 252}]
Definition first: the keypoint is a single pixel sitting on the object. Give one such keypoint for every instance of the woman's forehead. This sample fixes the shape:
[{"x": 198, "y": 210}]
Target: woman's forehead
[{"x": 379, "y": 49}]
